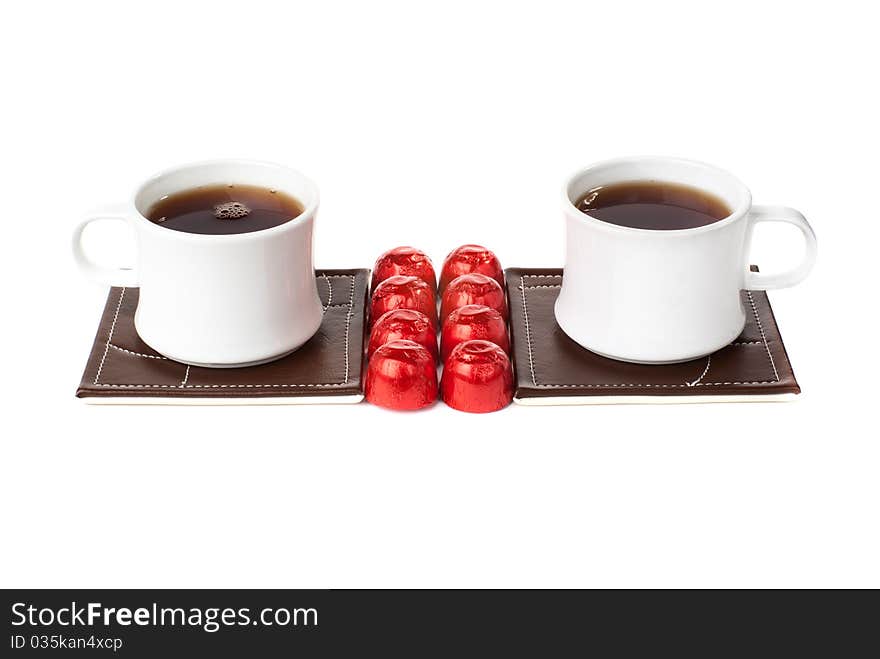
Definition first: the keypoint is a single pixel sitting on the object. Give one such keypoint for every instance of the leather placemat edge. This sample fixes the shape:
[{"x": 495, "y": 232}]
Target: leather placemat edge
[
  {"x": 351, "y": 392},
  {"x": 785, "y": 386}
]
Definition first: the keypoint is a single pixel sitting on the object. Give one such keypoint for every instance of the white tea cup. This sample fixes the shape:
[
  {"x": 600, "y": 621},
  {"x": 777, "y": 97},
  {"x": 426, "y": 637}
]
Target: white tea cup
[
  {"x": 218, "y": 300},
  {"x": 662, "y": 296}
]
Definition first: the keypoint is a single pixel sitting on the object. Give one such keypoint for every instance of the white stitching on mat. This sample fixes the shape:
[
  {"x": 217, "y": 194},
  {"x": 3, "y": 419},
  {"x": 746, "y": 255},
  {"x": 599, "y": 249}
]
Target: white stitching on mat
[
  {"x": 763, "y": 336},
  {"x": 695, "y": 383},
  {"x": 651, "y": 386},
  {"x": 540, "y": 277},
  {"x": 136, "y": 354},
  {"x": 713, "y": 384},
  {"x": 329, "y": 294},
  {"x": 215, "y": 386},
  {"x": 184, "y": 385},
  {"x": 347, "y": 328},
  {"x": 522, "y": 289},
  {"x": 110, "y": 335}
]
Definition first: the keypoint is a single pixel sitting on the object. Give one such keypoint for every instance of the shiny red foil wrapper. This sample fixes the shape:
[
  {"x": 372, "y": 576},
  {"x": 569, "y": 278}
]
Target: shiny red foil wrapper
[
  {"x": 406, "y": 325},
  {"x": 473, "y": 289},
  {"x": 469, "y": 259},
  {"x": 401, "y": 375},
  {"x": 473, "y": 321},
  {"x": 403, "y": 292},
  {"x": 477, "y": 377},
  {"x": 407, "y": 261}
]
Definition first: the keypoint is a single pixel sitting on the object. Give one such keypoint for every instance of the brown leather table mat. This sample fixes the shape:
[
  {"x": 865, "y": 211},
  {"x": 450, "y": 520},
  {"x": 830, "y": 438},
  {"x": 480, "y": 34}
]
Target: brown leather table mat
[
  {"x": 553, "y": 369},
  {"x": 122, "y": 368}
]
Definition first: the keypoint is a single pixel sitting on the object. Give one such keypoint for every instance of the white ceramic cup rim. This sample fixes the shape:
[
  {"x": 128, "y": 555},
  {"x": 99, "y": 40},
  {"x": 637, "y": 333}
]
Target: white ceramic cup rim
[
  {"x": 141, "y": 201},
  {"x": 739, "y": 199}
]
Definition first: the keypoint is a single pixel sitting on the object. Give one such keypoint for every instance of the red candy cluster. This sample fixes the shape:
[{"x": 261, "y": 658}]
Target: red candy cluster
[{"x": 402, "y": 351}]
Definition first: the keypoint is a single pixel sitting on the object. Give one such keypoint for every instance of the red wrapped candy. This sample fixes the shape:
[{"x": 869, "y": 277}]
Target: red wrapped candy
[
  {"x": 404, "y": 261},
  {"x": 473, "y": 321},
  {"x": 477, "y": 377},
  {"x": 473, "y": 289},
  {"x": 401, "y": 375},
  {"x": 468, "y": 259},
  {"x": 403, "y": 324},
  {"x": 403, "y": 292}
]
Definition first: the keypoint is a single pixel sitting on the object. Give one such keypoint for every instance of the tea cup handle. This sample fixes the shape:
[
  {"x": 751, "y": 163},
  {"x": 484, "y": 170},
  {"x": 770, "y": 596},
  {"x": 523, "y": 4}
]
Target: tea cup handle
[
  {"x": 101, "y": 273},
  {"x": 757, "y": 281}
]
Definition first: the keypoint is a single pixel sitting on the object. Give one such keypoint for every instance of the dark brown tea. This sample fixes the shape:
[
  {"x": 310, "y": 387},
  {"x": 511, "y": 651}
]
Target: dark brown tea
[
  {"x": 224, "y": 209},
  {"x": 653, "y": 205}
]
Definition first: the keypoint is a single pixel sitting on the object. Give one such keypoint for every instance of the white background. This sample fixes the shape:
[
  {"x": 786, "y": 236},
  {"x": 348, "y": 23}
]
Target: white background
[{"x": 435, "y": 125}]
